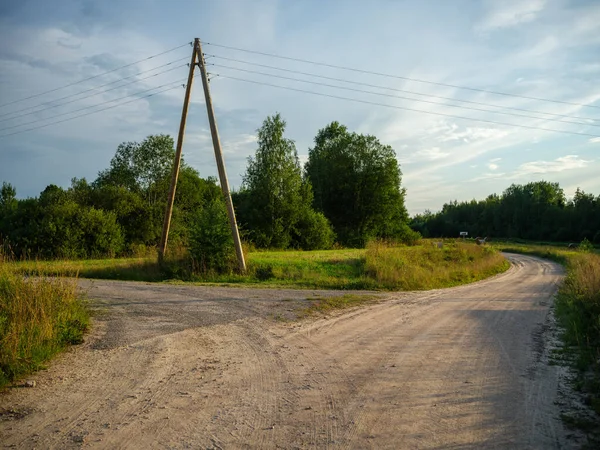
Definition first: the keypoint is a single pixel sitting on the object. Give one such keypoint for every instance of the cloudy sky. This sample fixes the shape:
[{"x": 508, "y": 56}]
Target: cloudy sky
[{"x": 452, "y": 143}]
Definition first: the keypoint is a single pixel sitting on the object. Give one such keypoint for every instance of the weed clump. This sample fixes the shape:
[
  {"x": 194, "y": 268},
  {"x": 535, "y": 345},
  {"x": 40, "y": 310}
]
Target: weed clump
[{"x": 39, "y": 317}]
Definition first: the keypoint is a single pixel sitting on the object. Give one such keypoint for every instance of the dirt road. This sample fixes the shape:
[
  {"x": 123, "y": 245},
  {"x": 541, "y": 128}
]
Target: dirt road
[{"x": 173, "y": 367}]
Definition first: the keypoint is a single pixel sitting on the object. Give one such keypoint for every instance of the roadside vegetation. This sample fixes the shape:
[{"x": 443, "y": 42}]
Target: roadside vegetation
[
  {"x": 39, "y": 317},
  {"x": 577, "y": 308},
  {"x": 382, "y": 265}
]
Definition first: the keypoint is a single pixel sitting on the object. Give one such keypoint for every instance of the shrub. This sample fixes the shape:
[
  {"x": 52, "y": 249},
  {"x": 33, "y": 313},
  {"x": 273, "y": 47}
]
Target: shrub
[
  {"x": 314, "y": 231},
  {"x": 408, "y": 236},
  {"x": 586, "y": 246},
  {"x": 264, "y": 273},
  {"x": 211, "y": 244}
]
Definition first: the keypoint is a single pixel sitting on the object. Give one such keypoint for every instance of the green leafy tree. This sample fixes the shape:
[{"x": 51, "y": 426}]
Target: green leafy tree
[
  {"x": 275, "y": 201},
  {"x": 8, "y": 197},
  {"x": 135, "y": 188},
  {"x": 138, "y": 166},
  {"x": 357, "y": 185}
]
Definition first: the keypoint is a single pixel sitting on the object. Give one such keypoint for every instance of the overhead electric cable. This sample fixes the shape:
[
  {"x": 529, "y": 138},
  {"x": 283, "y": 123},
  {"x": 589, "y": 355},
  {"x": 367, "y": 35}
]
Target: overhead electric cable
[
  {"x": 49, "y": 102},
  {"x": 404, "y": 98},
  {"x": 90, "y": 113},
  {"x": 409, "y": 109},
  {"x": 94, "y": 106},
  {"x": 91, "y": 95},
  {"x": 353, "y": 69},
  {"x": 94, "y": 76},
  {"x": 405, "y": 91}
]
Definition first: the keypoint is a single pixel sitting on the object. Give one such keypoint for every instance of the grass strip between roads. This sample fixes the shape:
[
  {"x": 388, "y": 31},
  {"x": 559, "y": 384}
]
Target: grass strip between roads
[{"x": 381, "y": 266}]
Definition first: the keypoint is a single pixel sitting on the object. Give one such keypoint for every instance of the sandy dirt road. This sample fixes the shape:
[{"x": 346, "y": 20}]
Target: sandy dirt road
[{"x": 174, "y": 367}]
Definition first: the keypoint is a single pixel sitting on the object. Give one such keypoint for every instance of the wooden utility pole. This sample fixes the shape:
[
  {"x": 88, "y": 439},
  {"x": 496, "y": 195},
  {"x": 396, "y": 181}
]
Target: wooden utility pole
[
  {"x": 188, "y": 91},
  {"x": 220, "y": 163}
]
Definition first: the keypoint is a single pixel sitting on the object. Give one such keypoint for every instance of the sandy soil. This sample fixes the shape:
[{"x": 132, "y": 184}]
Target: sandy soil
[{"x": 173, "y": 366}]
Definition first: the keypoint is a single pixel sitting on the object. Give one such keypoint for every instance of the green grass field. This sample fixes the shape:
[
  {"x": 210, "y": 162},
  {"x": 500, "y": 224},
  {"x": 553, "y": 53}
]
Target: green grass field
[{"x": 378, "y": 267}]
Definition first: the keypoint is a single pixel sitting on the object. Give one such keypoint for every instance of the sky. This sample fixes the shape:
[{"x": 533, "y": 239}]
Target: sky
[{"x": 452, "y": 143}]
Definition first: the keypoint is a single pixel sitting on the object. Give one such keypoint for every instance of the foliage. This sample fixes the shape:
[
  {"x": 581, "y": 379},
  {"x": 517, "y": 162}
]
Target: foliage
[
  {"x": 357, "y": 185},
  {"x": 274, "y": 204},
  {"x": 211, "y": 244},
  {"x": 121, "y": 211},
  {"x": 535, "y": 211},
  {"x": 139, "y": 166},
  {"x": 313, "y": 231},
  {"x": 586, "y": 246},
  {"x": 56, "y": 226},
  {"x": 38, "y": 318}
]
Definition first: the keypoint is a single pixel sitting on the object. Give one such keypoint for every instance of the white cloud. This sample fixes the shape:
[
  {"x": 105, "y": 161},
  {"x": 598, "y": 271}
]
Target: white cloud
[
  {"x": 426, "y": 154},
  {"x": 493, "y": 166},
  {"x": 568, "y": 162},
  {"x": 594, "y": 140},
  {"x": 488, "y": 176},
  {"x": 506, "y": 14},
  {"x": 470, "y": 134}
]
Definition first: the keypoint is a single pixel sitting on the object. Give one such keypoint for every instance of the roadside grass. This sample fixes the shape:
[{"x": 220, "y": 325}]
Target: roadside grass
[
  {"x": 381, "y": 266},
  {"x": 39, "y": 317},
  {"x": 429, "y": 267},
  {"x": 577, "y": 309},
  {"x": 324, "y": 305}
]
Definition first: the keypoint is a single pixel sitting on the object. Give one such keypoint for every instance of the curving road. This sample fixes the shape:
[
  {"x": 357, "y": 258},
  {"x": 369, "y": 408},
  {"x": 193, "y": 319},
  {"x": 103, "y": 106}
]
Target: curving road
[{"x": 172, "y": 366}]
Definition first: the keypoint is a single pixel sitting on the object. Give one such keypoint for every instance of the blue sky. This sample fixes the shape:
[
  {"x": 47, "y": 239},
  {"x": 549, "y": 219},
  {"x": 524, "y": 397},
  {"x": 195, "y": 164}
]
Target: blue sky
[{"x": 535, "y": 48}]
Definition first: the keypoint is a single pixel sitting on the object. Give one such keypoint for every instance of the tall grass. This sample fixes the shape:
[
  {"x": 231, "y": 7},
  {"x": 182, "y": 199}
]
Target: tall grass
[
  {"x": 577, "y": 310},
  {"x": 382, "y": 266},
  {"x": 428, "y": 267},
  {"x": 38, "y": 318}
]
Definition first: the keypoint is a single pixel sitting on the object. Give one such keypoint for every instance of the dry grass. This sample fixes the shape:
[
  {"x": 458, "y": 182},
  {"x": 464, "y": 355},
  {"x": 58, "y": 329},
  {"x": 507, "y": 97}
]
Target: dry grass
[
  {"x": 578, "y": 312},
  {"x": 428, "y": 267},
  {"x": 38, "y": 318}
]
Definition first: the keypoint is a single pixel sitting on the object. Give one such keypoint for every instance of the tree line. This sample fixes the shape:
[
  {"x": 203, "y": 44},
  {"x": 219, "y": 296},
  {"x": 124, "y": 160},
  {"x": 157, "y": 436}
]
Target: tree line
[
  {"x": 537, "y": 211},
  {"x": 348, "y": 192}
]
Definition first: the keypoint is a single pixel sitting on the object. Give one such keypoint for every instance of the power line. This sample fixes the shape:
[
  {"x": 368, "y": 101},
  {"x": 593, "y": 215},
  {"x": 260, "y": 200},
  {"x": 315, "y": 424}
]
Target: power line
[
  {"x": 89, "y": 96},
  {"x": 409, "y": 109},
  {"x": 402, "y": 90},
  {"x": 93, "y": 106},
  {"x": 272, "y": 55},
  {"x": 95, "y": 76},
  {"x": 90, "y": 113},
  {"x": 49, "y": 102},
  {"x": 404, "y": 98}
]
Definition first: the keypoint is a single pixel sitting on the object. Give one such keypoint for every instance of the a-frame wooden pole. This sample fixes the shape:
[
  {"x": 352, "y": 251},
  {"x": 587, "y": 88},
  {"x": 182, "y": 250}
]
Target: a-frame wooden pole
[
  {"x": 220, "y": 163},
  {"x": 177, "y": 163}
]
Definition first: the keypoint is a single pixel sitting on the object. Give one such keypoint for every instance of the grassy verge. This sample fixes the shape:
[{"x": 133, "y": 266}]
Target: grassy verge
[
  {"x": 381, "y": 266},
  {"x": 577, "y": 309},
  {"x": 39, "y": 317},
  {"x": 324, "y": 305},
  {"x": 429, "y": 267}
]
